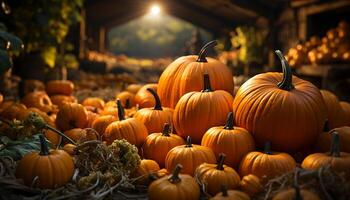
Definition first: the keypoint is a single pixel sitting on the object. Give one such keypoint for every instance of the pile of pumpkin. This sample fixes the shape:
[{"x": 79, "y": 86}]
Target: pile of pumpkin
[
  {"x": 192, "y": 132},
  {"x": 332, "y": 48}
]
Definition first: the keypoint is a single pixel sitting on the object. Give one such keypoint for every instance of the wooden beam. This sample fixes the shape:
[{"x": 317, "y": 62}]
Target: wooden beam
[{"x": 102, "y": 39}]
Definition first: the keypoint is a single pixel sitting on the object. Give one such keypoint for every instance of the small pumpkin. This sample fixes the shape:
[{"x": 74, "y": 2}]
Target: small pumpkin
[
  {"x": 334, "y": 109},
  {"x": 338, "y": 161},
  {"x": 60, "y": 99},
  {"x": 11, "y": 110},
  {"x": 94, "y": 102},
  {"x": 157, "y": 145},
  {"x": 101, "y": 122},
  {"x": 190, "y": 156},
  {"x": 64, "y": 87},
  {"x": 38, "y": 100},
  {"x": 54, "y": 168},
  {"x": 234, "y": 142},
  {"x": 71, "y": 115},
  {"x": 230, "y": 195},
  {"x": 70, "y": 149},
  {"x": 145, "y": 99},
  {"x": 154, "y": 118},
  {"x": 146, "y": 168},
  {"x": 133, "y": 88},
  {"x": 127, "y": 99},
  {"x": 91, "y": 116},
  {"x": 130, "y": 129},
  {"x": 196, "y": 112},
  {"x": 81, "y": 135},
  {"x": 266, "y": 165},
  {"x": 346, "y": 112},
  {"x": 1, "y": 98},
  {"x": 251, "y": 185},
  {"x": 212, "y": 175},
  {"x": 110, "y": 109},
  {"x": 174, "y": 187},
  {"x": 324, "y": 141}
]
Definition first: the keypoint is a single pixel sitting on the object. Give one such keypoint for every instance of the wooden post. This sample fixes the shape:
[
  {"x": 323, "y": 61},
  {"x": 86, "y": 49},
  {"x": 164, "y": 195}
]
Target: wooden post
[{"x": 102, "y": 39}]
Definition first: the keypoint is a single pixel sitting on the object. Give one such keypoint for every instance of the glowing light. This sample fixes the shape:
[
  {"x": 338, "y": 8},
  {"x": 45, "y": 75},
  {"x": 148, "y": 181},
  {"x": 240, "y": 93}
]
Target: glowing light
[{"x": 155, "y": 10}]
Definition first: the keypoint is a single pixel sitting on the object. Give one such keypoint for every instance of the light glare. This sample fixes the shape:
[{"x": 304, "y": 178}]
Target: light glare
[{"x": 155, "y": 10}]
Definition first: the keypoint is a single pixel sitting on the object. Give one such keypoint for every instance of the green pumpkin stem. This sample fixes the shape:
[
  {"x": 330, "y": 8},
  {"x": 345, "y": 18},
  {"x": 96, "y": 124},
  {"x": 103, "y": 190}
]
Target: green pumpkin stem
[
  {"x": 267, "y": 148},
  {"x": 286, "y": 83},
  {"x": 188, "y": 141},
  {"x": 223, "y": 189},
  {"x": 202, "y": 52},
  {"x": 166, "y": 130},
  {"x": 335, "y": 147},
  {"x": 296, "y": 186},
  {"x": 206, "y": 83},
  {"x": 158, "y": 104},
  {"x": 229, "y": 121},
  {"x": 121, "y": 113},
  {"x": 221, "y": 160},
  {"x": 127, "y": 103},
  {"x": 326, "y": 126},
  {"x": 174, "y": 178},
  {"x": 44, "y": 149}
]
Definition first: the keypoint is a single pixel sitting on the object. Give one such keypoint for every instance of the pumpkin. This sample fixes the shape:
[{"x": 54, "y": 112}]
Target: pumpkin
[
  {"x": 94, "y": 102},
  {"x": 133, "y": 88},
  {"x": 110, "y": 110},
  {"x": 11, "y": 110},
  {"x": 144, "y": 98},
  {"x": 54, "y": 168},
  {"x": 64, "y": 87},
  {"x": 184, "y": 75},
  {"x": 38, "y": 100},
  {"x": 323, "y": 142},
  {"x": 1, "y": 98},
  {"x": 196, "y": 112},
  {"x": 280, "y": 108},
  {"x": 127, "y": 99},
  {"x": 130, "y": 129},
  {"x": 250, "y": 184},
  {"x": 81, "y": 135},
  {"x": 338, "y": 161},
  {"x": 101, "y": 122},
  {"x": 190, "y": 156},
  {"x": 70, "y": 149},
  {"x": 230, "y": 195},
  {"x": 60, "y": 99},
  {"x": 174, "y": 187},
  {"x": 162, "y": 172},
  {"x": 91, "y": 116},
  {"x": 334, "y": 109},
  {"x": 213, "y": 175},
  {"x": 234, "y": 142},
  {"x": 157, "y": 145},
  {"x": 146, "y": 169},
  {"x": 266, "y": 165},
  {"x": 71, "y": 115},
  {"x": 154, "y": 118},
  {"x": 346, "y": 112}
]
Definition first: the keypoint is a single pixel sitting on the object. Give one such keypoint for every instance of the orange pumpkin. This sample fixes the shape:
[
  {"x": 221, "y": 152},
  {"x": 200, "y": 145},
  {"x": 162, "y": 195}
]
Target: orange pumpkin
[
  {"x": 185, "y": 75},
  {"x": 70, "y": 149},
  {"x": 157, "y": 145},
  {"x": 230, "y": 195},
  {"x": 130, "y": 129},
  {"x": 196, "y": 112},
  {"x": 94, "y": 102},
  {"x": 214, "y": 175},
  {"x": 323, "y": 142},
  {"x": 38, "y": 100},
  {"x": 346, "y": 112},
  {"x": 251, "y": 185},
  {"x": 64, "y": 87},
  {"x": 144, "y": 170},
  {"x": 81, "y": 135},
  {"x": 60, "y": 100},
  {"x": 154, "y": 118},
  {"x": 133, "y": 88},
  {"x": 101, "y": 122},
  {"x": 334, "y": 109},
  {"x": 110, "y": 110},
  {"x": 190, "y": 156},
  {"x": 144, "y": 98},
  {"x": 12, "y": 110},
  {"x": 1, "y": 98},
  {"x": 127, "y": 99},
  {"x": 91, "y": 116},
  {"x": 71, "y": 115},
  {"x": 280, "y": 108},
  {"x": 234, "y": 142}
]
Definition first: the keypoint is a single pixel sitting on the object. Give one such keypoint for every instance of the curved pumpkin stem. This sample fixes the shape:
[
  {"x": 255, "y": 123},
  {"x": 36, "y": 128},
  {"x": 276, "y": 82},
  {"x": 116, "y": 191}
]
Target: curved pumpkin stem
[
  {"x": 286, "y": 83},
  {"x": 335, "y": 148},
  {"x": 121, "y": 113},
  {"x": 189, "y": 142},
  {"x": 221, "y": 160},
  {"x": 201, "y": 54},
  {"x": 174, "y": 178},
  {"x": 166, "y": 130},
  {"x": 206, "y": 83},
  {"x": 44, "y": 149},
  {"x": 223, "y": 189},
  {"x": 296, "y": 186},
  {"x": 267, "y": 148},
  {"x": 229, "y": 121},
  {"x": 158, "y": 104}
]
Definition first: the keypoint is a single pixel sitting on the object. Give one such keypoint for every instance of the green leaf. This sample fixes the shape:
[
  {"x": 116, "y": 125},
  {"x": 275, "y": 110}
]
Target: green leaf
[{"x": 5, "y": 62}]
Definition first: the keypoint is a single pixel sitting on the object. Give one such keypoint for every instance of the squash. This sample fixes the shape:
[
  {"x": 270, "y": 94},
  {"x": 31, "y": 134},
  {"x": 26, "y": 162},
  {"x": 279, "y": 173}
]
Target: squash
[
  {"x": 81, "y": 135},
  {"x": 146, "y": 169},
  {"x": 70, "y": 149},
  {"x": 38, "y": 100},
  {"x": 145, "y": 99},
  {"x": 334, "y": 109},
  {"x": 251, "y": 185},
  {"x": 64, "y": 87},
  {"x": 94, "y": 102},
  {"x": 133, "y": 88},
  {"x": 127, "y": 99},
  {"x": 12, "y": 110},
  {"x": 60, "y": 99},
  {"x": 71, "y": 115},
  {"x": 101, "y": 122}
]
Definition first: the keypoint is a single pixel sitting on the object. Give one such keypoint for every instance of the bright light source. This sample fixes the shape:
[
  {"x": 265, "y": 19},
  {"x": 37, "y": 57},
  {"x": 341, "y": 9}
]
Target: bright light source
[{"x": 155, "y": 10}]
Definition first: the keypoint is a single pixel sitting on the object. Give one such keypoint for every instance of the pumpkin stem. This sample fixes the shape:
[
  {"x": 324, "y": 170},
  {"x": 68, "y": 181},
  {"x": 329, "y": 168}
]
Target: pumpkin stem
[
  {"x": 286, "y": 83},
  {"x": 201, "y": 54},
  {"x": 166, "y": 130},
  {"x": 174, "y": 178},
  {"x": 229, "y": 121},
  {"x": 121, "y": 114},
  {"x": 206, "y": 83},
  {"x": 44, "y": 150},
  {"x": 221, "y": 160},
  {"x": 267, "y": 148},
  {"x": 326, "y": 126},
  {"x": 158, "y": 104},
  {"x": 127, "y": 103},
  {"x": 188, "y": 141},
  {"x": 223, "y": 189},
  {"x": 296, "y": 186},
  {"x": 335, "y": 147},
  {"x": 61, "y": 134}
]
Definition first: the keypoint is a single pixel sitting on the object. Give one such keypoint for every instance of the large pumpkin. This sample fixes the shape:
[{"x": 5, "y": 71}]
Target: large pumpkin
[
  {"x": 190, "y": 156},
  {"x": 185, "y": 75},
  {"x": 154, "y": 118},
  {"x": 145, "y": 99},
  {"x": 54, "y": 168},
  {"x": 334, "y": 109},
  {"x": 196, "y": 112},
  {"x": 38, "y": 99},
  {"x": 346, "y": 112},
  {"x": 64, "y": 87},
  {"x": 234, "y": 142},
  {"x": 71, "y": 115},
  {"x": 280, "y": 108}
]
